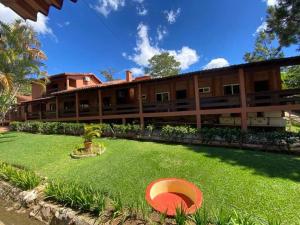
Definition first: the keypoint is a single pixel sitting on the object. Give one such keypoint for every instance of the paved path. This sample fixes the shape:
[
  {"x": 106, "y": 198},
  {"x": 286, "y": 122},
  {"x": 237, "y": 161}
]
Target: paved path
[{"x": 4, "y": 129}]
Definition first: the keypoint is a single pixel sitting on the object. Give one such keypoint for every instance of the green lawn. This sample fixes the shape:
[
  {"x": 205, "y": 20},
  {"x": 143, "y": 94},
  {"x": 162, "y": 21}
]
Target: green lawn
[{"x": 263, "y": 184}]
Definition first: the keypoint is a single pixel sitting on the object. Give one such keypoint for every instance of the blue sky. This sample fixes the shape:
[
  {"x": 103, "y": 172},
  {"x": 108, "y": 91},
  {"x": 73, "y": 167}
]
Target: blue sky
[{"x": 92, "y": 35}]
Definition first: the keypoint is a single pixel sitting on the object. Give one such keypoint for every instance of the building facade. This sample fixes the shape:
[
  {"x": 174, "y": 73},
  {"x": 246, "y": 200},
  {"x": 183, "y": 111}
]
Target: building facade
[{"x": 245, "y": 95}]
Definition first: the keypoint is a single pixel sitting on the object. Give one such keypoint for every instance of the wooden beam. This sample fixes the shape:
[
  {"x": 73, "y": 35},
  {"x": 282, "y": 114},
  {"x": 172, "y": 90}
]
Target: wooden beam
[
  {"x": 140, "y": 106},
  {"x": 197, "y": 101},
  {"x": 77, "y": 106},
  {"x": 243, "y": 100},
  {"x": 57, "y": 107},
  {"x": 100, "y": 104},
  {"x": 40, "y": 6}
]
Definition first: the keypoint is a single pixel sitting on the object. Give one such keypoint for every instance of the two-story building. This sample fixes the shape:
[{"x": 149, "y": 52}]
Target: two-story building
[{"x": 245, "y": 95}]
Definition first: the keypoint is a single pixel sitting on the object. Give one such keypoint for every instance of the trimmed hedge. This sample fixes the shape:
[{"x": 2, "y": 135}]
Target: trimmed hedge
[
  {"x": 186, "y": 134},
  {"x": 48, "y": 127}
]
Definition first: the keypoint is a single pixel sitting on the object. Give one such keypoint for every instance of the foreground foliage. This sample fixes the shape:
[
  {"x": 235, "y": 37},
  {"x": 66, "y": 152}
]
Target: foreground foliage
[{"x": 21, "y": 178}]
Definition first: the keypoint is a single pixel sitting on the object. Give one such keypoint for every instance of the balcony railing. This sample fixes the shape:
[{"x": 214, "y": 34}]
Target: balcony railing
[
  {"x": 90, "y": 111},
  {"x": 282, "y": 97},
  {"x": 67, "y": 113},
  {"x": 170, "y": 106},
  {"x": 49, "y": 115},
  {"x": 120, "y": 109},
  {"x": 230, "y": 101},
  {"x": 33, "y": 115}
]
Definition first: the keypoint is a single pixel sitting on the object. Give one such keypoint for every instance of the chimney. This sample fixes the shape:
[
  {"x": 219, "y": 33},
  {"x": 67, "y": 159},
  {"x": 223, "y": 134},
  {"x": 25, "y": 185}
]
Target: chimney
[{"x": 128, "y": 76}]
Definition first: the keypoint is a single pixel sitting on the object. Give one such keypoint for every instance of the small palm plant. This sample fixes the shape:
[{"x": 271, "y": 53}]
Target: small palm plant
[{"x": 89, "y": 134}]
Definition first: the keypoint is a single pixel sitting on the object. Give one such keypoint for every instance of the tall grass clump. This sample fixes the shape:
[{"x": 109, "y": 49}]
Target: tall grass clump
[
  {"x": 76, "y": 196},
  {"x": 23, "y": 179},
  {"x": 180, "y": 216}
]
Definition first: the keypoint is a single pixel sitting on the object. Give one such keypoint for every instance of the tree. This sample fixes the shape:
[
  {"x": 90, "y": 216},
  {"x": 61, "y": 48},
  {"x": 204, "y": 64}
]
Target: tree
[
  {"x": 21, "y": 60},
  {"x": 264, "y": 49},
  {"x": 283, "y": 19},
  {"x": 291, "y": 77},
  {"x": 108, "y": 74},
  {"x": 163, "y": 65}
]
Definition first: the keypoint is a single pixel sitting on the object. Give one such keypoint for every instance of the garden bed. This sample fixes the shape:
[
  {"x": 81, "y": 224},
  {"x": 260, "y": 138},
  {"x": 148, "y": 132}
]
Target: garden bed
[{"x": 254, "y": 183}]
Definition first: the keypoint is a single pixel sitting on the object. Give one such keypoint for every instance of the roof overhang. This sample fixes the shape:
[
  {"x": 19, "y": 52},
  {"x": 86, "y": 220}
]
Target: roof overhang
[{"x": 28, "y": 9}]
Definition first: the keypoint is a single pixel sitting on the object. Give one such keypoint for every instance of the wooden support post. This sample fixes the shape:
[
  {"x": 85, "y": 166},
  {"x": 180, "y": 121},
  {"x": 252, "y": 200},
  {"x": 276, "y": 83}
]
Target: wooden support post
[
  {"x": 197, "y": 102},
  {"x": 57, "y": 107},
  {"x": 77, "y": 106},
  {"x": 25, "y": 112},
  {"x": 142, "y": 124},
  {"x": 243, "y": 100},
  {"x": 100, "y": 105},
  {"x": 40, "y": 112},
  {"x": 123, "y": 121},
  {"x": 67, "y": 83}
]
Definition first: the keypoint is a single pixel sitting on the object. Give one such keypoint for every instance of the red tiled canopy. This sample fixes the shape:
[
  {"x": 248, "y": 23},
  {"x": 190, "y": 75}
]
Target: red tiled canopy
[{"x": 28, "y": 9}]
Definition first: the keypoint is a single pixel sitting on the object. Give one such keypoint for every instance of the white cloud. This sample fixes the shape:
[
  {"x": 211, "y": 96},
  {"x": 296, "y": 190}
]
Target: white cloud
[
  {"x": 216, "y": 63},
  {"x": 65, "y": 24},
  {"x": 145, "y": 50},
  {"x": 172, "y": 15},
  {"x": 261, "y": 28},
  {"x": 40, "y": 26},
  {"x": 271, "y": 2},
  {"x": 137, "y": 71},
  {"x": 141, "y": 10},
  {"x": 105, "y": 7},
  {"x": 161, "y": 32},
  {"x": 186, "y": 56},
  {"x": 139, "y": 1}
]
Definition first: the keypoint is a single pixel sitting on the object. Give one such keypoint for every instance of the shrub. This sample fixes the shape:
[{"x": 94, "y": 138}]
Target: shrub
[
  {"x": 177, "y": 132},
  {"x": 77, "y": 196},
  {"x": 23, "y": 179},
  {"x": 121, "y": 130}
]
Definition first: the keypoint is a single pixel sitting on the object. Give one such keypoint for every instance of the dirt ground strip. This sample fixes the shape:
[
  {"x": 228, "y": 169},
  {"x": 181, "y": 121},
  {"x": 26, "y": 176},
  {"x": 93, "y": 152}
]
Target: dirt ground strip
[{"x": 4, "y": 129}]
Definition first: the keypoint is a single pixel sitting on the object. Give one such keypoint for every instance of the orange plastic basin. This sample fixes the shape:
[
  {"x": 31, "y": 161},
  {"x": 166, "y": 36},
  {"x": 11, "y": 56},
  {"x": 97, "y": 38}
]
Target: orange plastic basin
[{"x": 167, "y": 194}]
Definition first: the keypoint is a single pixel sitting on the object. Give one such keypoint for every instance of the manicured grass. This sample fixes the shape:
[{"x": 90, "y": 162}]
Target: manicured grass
[{"x": 258, "y": 183}]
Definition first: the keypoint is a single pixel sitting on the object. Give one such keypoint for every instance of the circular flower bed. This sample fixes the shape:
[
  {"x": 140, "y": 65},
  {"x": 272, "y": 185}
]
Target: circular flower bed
[{"x": 95, "y": 150}]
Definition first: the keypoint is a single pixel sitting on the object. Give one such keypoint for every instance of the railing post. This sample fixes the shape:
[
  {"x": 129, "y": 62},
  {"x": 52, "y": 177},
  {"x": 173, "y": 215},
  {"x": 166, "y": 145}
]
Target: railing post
[
  {"x": 100, "y": 104},
  {"x": 197, "y": 102},
  {"x": 243, "y": 99},
  {"x": 40, "y": 112},
  {"x": 77, "y": 106},
  {"x": 56, "y": 108},
  {"x": 140, "y": 106},
  {"x": 25, "y": 112}
]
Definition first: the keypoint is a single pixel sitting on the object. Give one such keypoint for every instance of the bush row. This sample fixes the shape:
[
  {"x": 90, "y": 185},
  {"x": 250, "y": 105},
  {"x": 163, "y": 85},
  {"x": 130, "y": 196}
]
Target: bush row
[
  {"x": 48, "y": 127},
  {"x": 187, "y": 134},
  {"x": 23, "y": 179}
]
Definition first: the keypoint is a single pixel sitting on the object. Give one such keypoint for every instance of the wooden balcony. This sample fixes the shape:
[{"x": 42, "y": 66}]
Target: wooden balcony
[
  {"x": 49, "y": 115},
  {"x": 267, "y": 98},
  {"x": 170, "y": 106},
  {"x": 67, "y": 113},
  {"x": 120, "y": 109},
  {"x": 91, "y": 111},
  {"x": 231, "y": 101},
  {"x": 33, "y": 115}
]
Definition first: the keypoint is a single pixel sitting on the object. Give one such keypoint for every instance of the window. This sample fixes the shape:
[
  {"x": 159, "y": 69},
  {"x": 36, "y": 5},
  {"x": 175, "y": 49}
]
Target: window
[
  {"x": 181, "y": 94},
  {"x": 106, "y": 101},
  {"x": 52, "y": 107},
  {"x": 204, "y": 90},
  {"x": 162, "y": 97},
  {"x": 231, "y": 89},
  {"x": 84, "y": 105},
  {"x": 72, "y": 83},
  {"x": 144, "y": 97},
  {"x": 69, "y": 106},
  {"x": 262, "y": 85}
]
